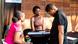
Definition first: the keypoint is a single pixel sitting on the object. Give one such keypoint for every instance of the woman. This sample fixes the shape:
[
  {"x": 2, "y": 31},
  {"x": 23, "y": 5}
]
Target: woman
[
  {"x": 37, "y": 20},
  {"x": 15, "y": 35}
]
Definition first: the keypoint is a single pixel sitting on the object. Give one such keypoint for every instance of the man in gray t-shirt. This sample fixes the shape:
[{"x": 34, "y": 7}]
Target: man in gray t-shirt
[{"x": 59, "y": 25}]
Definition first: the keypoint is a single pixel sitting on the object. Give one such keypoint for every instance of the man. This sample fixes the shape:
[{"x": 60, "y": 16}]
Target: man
[
  {"x": 37, "y": 20},
  {"x": 59, "y": 25}
]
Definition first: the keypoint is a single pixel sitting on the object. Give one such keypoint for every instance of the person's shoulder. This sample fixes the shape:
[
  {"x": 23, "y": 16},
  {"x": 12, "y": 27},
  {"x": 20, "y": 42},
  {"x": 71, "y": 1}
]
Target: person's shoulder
[
  {"x": 32, "y": 18},
  {"x": 59, "y": 11},
  {"x": 62, "y": 15}
]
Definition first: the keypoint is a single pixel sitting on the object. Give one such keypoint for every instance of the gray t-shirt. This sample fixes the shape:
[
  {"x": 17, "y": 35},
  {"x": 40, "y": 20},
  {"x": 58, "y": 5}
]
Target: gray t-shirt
[{"x": 60, "y": 19}]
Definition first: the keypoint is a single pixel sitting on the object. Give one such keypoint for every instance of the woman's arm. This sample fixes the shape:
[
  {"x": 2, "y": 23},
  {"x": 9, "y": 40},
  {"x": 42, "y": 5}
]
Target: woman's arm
[
  {"x": 32, "y": 24},
  {"x": 43, "y": 27}
]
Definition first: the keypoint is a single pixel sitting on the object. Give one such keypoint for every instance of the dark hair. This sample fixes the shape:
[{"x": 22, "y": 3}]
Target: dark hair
[
  {"x": 35, "y": 8},
  {"x": 14, "y": 19},
  {"x": 48, "y": 7},
  {"x": 17, "y": 14}
]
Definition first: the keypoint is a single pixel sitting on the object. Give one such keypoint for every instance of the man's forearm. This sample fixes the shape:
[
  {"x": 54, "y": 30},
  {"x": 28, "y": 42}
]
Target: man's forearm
[
  {"x": 61, "y": 34},
  {"x": 61, "y": 37}
]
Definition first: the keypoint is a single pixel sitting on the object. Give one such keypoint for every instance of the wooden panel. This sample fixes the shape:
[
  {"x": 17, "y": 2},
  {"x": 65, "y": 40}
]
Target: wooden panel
[
  {"x": 68, "y": 6},
  {"x": 65, "y": 5}
]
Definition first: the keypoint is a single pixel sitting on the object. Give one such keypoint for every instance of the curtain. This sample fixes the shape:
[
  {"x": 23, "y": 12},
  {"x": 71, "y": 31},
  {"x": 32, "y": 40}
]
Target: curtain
[{"x": 1, "y": 17}]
